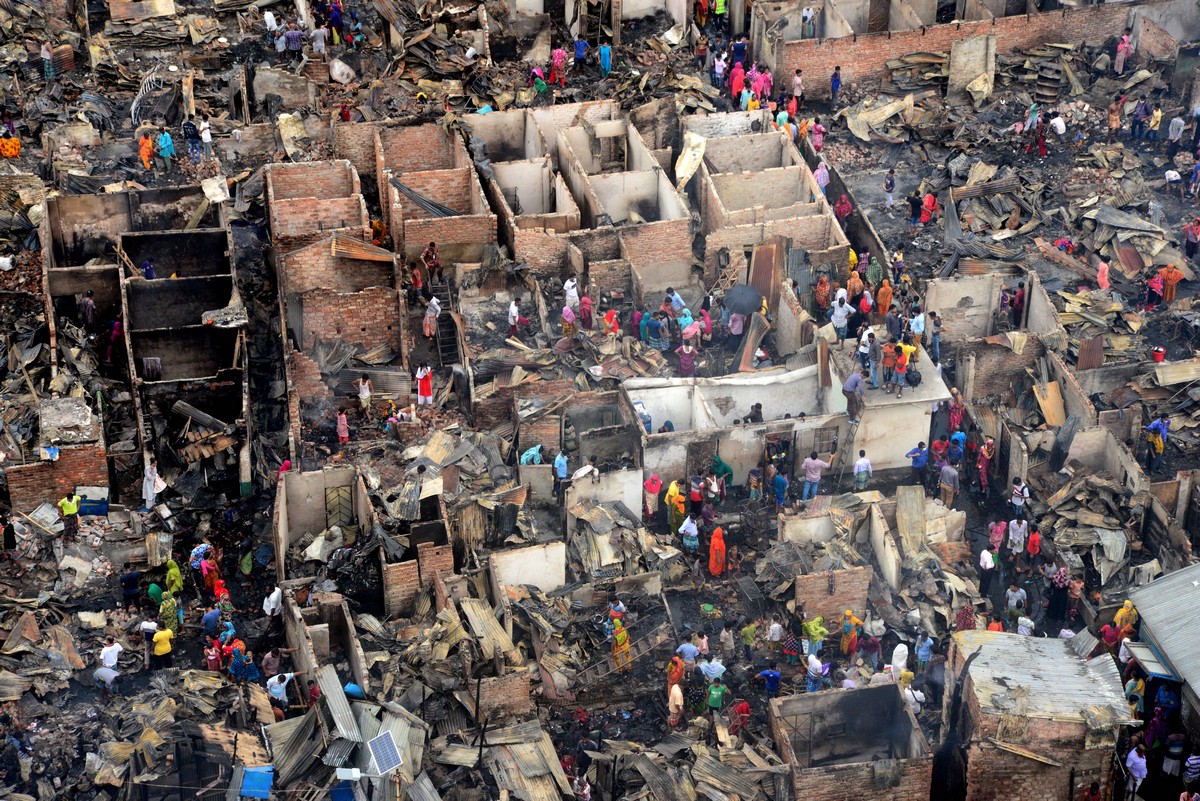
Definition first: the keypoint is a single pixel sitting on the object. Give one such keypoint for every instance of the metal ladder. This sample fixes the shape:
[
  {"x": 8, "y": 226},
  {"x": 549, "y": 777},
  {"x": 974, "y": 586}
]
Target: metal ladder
[{"x": 592, "y": 674}]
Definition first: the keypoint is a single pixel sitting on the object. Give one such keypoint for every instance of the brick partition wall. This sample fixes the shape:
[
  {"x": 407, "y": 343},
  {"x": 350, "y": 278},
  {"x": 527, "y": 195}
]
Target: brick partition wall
[
  {"x": 314, "y": 266},
  {"x": 370, "y": 318},
  {"x": 319, "y": 179},
  {"x": 508, "y": 694},
  {"x": 355, "y": 142},
  {"x": 545, "y": 431},
  {"x": 865, "y": 56},
  {"x": 606, "y": 277},
  {"x": 657, "y": 242},
  {"x": 77, "y": 466},
  {"x": 996, "y": 366},
  {"x": 301, "y": 221},
  {"x": 434, "y": 560},
  {"x": 413, "y": 228},
  {"x": 400, "y": 584},
  {"x": 849, "y": 592}
]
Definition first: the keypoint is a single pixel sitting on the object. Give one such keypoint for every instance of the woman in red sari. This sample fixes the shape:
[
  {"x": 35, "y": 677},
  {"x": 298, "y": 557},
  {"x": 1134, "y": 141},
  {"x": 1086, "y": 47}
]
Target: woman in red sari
[
  {"x": 957, "y": 410},
  {"x": 821, "y": 293},
  {"x": 987, "y": 451}
]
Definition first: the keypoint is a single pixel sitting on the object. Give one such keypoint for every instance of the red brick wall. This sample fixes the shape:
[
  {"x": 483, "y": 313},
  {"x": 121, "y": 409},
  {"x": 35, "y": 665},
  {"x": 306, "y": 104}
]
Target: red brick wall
[
  {"x": 1154, "y": 42},
  {"x": 77, "y": 465},
  {"x": 299, "y": 222},
  {"x": 544, "y": 253},
  {"x": 452, "y": 188},
  {"x": 607, "y": 277},
  {"x": 314, "y": 266},
  {"x": 507, "y": 694},
  {"x": 400, "y": 584},
  {"x": 319, "y": 179},
  {"x": 658, "y": 242},
  {"x": 847, "y": 782},
  {"x": 434, "y": 560},
  {"x": 865, "y": 56},
  {"x": 370, "y": 318},
  {"x": 355, "y": 142},
  {"x": 996, "y": 367},
  {"x": 849, "y": 592},
  {"x": 416, "y": 148},
  {"x": 545, "y": 431},
  {"x": 306, "y": 377}
]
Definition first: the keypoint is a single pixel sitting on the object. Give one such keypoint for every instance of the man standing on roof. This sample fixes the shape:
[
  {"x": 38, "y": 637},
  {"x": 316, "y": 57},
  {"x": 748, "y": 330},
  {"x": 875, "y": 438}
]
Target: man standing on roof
[{"x": 1156, "y": 441}]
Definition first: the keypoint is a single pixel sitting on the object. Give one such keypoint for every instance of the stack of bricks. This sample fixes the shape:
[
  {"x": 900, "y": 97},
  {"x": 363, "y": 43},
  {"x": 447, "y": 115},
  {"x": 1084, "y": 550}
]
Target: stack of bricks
[{"x": 77, "y": 466}]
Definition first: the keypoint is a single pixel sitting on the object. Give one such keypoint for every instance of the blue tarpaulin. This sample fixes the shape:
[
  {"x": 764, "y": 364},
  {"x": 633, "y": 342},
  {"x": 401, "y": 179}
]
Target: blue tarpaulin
[{"x": 256, "y": 782}]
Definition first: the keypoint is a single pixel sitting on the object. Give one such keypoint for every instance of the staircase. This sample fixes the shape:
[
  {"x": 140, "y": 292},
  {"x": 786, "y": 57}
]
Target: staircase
[{"x": 637, "y": 649}]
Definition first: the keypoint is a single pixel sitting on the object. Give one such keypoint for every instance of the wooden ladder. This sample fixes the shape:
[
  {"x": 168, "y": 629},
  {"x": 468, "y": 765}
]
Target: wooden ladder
[{"x": 591, "y": 675}]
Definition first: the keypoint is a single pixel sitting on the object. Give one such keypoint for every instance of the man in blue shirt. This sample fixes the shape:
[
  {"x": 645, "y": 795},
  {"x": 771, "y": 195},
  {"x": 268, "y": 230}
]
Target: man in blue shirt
[
  {"x": 920, "y": 460},
  {"x": 211, "y": 621},
  {"x": 581, "y": 51},
  {"x": 1157, "y": 429},
  {"x": 533, "y": 455},
  {"x": 959, "y": 438},
  {"x": 771, "y": 677},
  {"x": 835, "y": 85},
  {"x": 165, "y": 148},
  {"x": 676, "y": 301},
  {"x": 738, "y": 49},
  {"x": 560, "y": 471},
  {"x": 689, "y": 653},
  {"x": 781, "y": 487}
]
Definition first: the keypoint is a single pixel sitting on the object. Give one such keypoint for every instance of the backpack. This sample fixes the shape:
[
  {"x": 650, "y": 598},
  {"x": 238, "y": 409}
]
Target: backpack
[{"x": 914, "y": 377}]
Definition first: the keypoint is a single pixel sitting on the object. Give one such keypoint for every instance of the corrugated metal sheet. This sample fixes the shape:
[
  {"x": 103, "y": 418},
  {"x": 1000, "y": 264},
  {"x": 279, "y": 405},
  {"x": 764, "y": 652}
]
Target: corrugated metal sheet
[
  {"x": 1040, "y": 678},
  {"x": 336, "y": 702},
  {"x": 422, "y": 789},
  {"x": 1170, "y": 610},
  {"x": 482, "y": 619},
  {"x": 338, "y": 752},
  {"x": 387, "y": 383}
]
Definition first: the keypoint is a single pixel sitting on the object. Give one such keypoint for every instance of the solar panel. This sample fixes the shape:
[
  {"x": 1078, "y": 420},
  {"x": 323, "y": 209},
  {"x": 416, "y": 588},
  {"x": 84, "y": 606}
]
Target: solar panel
[{"x": 384, "y": 752}]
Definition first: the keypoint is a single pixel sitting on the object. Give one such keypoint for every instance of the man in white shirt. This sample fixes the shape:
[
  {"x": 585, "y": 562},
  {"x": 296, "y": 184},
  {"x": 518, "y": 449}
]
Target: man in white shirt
[
  {"x": 1136, "y": 763},
  {"x": 1018, "y": 496},
  {"x": 839, "y": 315},
  {"x": 1059, "y": 125},
  {"x": 917, "y": 325},
  {"x": 1174, "y": 181},
  {"x": 1018, "y": 533},
  {"x": 206, "y": 136},
  {"x": 110, "y": 653},
  {"x": 571, "y": 293},
  {"x": 515, "y": 320},
  {"x": 277, "y": 687},
  {"x": 987, "y": 569},
  {"x": 862, "y": 471},
  {"x": 914, "y": 699}
]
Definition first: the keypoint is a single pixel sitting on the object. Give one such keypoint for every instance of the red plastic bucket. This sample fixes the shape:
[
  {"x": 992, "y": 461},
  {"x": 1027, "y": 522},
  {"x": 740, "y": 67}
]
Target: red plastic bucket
[{"x": 1158, "y": 353}]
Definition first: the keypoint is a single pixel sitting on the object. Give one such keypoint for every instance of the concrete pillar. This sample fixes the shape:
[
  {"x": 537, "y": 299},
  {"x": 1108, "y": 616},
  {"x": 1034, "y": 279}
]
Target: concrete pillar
[{"x": 737, "y": 20}]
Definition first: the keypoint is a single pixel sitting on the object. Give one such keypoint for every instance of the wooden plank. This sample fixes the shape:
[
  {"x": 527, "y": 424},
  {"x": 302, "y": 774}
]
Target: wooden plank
[
  {"x": 910, "y": 517},
  {"x": 1049, "y": 398},
  {"x": 1019, "y": 751},
  {"x": 1182, "y": 372}
]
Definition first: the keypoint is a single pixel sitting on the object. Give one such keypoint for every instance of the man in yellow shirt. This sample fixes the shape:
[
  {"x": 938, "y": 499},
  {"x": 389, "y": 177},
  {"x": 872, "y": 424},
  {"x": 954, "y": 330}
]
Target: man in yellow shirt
[
  {"x": 161, "y": 658},
  {"x": 1152, "y": 125},
  {"x": 910, "y": 352},
  {"x": 69, "y": 506}
]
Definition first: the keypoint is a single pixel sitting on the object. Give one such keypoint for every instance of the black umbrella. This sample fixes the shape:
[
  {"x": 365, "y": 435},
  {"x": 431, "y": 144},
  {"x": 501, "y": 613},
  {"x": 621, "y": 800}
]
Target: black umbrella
[{"x": 743, "y": 299}]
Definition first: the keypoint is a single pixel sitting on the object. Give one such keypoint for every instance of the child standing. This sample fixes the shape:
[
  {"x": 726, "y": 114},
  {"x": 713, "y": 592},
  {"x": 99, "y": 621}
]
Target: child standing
[{"x": 343, "y": 427}]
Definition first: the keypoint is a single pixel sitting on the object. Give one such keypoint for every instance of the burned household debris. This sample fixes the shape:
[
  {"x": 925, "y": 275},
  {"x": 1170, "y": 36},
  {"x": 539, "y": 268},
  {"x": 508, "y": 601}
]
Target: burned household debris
[{"x": 480, "y": 401}]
